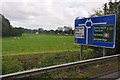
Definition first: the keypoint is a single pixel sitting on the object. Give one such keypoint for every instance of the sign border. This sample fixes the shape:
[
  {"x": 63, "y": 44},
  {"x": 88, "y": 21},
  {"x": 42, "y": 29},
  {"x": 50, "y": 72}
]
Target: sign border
[{"x": 98, "y": 45}]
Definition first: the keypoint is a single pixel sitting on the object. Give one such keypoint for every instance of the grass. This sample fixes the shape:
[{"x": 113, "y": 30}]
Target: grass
[
  {"x": 25, "y": 53},
  {"x": 32, "y": 43}
]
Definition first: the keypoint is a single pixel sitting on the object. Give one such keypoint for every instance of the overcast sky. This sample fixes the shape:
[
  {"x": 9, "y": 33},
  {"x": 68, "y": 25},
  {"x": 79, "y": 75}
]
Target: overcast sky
[{"x": 47, "y": 14}]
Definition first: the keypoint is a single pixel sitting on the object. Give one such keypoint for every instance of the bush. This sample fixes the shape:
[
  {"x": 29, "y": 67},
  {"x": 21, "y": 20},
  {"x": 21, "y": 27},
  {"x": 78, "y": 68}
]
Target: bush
[
  {"x": 88, "y": 53},
  {"x": 10, "y": 66}
]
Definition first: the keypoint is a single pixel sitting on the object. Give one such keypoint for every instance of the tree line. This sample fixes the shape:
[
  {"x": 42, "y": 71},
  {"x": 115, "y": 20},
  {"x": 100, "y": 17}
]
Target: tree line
[{"x": 8, "y": 30}]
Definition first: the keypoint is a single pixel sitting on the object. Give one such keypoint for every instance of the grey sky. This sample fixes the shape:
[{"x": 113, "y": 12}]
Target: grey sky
[{"x": 48, "y": 14}]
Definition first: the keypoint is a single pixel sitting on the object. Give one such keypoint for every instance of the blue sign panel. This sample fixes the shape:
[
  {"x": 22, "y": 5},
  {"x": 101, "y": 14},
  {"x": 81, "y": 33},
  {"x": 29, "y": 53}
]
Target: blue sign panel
[{"x": 96, "y": 31}]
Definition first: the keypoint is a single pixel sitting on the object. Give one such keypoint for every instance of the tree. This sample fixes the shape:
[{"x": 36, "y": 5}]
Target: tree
[
  {"x": 17, "y": 31},
  {"x": 117, "y": 49},
  {"x": 40, "y": 30},
  {"x": 111, "y": 8},
  {"x": 114, "y": 8},
  {"x": 0, "y": 25},
  {"x": 97, "y": 12},
  {"x": 6, "y": 27}
]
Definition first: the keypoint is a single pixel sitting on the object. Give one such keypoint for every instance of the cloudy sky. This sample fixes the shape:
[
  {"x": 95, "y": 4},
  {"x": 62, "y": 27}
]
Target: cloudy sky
[{"x": 47, "y": 14}]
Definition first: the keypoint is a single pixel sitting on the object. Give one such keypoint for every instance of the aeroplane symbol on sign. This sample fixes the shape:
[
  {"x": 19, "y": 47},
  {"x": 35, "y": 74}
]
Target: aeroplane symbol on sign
[{"x": 106, "y": 35}]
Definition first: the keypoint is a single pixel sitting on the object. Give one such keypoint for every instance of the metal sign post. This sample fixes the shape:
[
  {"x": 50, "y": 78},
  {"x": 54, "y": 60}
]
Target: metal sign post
[
  {"x": 81, "y": 52},
  {"x": 103, "y": 52}
]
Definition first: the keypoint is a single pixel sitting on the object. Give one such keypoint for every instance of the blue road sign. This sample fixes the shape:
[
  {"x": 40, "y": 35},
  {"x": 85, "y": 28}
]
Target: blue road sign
[{"x": 96, "y": 31}]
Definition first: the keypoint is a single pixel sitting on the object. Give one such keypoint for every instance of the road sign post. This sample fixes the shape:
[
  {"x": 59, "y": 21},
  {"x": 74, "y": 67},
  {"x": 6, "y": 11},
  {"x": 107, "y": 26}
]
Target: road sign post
[
  {"x": 81, "y": 52},
  {"x": 103, "y": 51},
  {"x": 96, "y": 31}
]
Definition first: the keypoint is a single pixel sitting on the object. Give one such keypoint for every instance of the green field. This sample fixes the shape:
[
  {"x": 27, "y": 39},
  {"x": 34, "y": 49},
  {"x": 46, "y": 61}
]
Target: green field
[
  {"x": 25, "y": 53},
  {"x": 32, "y": 43}
]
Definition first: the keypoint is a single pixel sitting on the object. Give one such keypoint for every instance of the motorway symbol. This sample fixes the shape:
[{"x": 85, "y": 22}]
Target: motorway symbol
[{"x": 96, "y": 31}]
